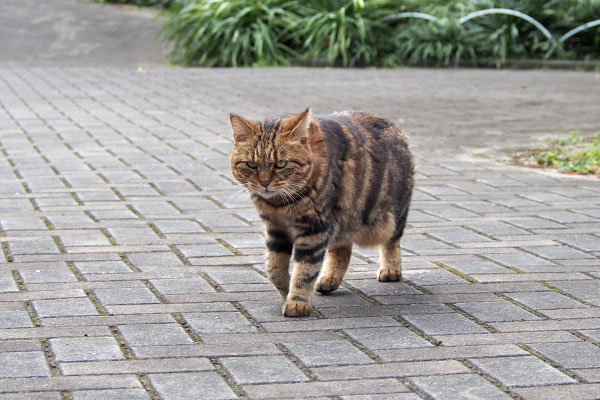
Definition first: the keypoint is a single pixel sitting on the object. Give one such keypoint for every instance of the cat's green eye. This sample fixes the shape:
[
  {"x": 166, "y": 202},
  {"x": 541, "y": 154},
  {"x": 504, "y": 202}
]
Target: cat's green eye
[
  {"x": 252, "y": 164},
  {"x": 281, "y": 163}
]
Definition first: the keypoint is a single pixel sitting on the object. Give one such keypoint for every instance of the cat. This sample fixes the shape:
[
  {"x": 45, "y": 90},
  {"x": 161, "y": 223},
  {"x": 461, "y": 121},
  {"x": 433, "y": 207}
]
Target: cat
[{"x": 319, "y": 185}]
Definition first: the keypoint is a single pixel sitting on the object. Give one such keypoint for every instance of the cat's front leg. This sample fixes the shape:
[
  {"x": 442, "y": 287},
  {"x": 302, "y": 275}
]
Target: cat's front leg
[
  {"x": 279, "y": 251},
  {"x": 309, "y": 252}
]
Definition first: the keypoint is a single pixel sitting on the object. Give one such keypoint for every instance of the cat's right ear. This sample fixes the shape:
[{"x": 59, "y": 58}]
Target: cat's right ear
[{"x": 242, "y": 129}]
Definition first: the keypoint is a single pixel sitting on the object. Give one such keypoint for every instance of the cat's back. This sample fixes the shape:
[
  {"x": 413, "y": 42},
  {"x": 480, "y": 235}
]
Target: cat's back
[{"x": 351, "y": 131}]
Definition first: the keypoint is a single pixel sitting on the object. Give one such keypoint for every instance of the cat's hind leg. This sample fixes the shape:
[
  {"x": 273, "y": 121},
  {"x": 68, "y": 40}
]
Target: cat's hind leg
[
  {"x": 390, "y": 262},
  {"x": 336, "y": 264},
  {"x": 390, "y": 258}
]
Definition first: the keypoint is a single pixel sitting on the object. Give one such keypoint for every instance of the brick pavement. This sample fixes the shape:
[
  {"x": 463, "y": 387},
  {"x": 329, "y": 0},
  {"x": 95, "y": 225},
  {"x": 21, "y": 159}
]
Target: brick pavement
[{"x": 131, "y": 263}]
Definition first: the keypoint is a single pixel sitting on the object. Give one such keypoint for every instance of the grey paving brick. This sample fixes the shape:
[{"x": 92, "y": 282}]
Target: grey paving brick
[
  {"x": 182, "y": 286},
  {"x": 545, "y": 301},
  {"x": 570, "y": 355},
  {"x": 86, "y": 349},
  {"x": 23, "y": 364},
  {"x": 238, "y": 275},
  {"x": 22, "y": 223},
  {"x": 325, "y": 353},
  {"x": 203, "y": 250},
  {"x": 263, "y": 369},
  {"x": 15, "y": 319},
  {"x": 444, "y": 324},
  {"x": 522, "y": 371},
  {"x": 178, "y": 226},
  {"x": 64, "y": 307},
  {"x": 372, "y": 287},
  {"x": 134, "y": 235},
  {"x": 477, "y": 267},
  {"x": 593, "y": 334},
  {"x": 154, "y": 334},
  {"x": 39, "y": 246},
  {"x": 518, "y": 259},
  {"x": 558, "y": 252},
  {"x": 462, "y": 386},
  {"x": 391, "y": 396},
  {"x": 143, "y": 260},
  {"x": 48, "y": 275},
  {"x": 396, "y": 337},
  {"x": 128, "y": 295},
  {"x": 181, "y": 385},
  {"x": 425, "y": 277},
  {"x": 496, "y": 311},
  {"x": 584, "y": 242},
  {"x": 102, "y": 267},
  {"x": 117, "y": 394},
  {"x": 7, "y": 283},
  {"x": 84, "y": 238},
  {"x": 456, "y": 235},
  {"x": 585, "y": 290},
  {"x": 219, "y": 322}
]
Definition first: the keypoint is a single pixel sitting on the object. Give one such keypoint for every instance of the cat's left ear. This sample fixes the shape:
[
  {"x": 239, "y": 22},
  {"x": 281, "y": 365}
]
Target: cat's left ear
[
  {"x": 297, "y": 125},
  {"x": 242, "y": 129}
]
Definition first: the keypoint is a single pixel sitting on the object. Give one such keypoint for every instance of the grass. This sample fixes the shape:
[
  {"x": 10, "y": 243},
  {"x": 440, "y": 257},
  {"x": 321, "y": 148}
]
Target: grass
[{"x": 577, "y": 153}]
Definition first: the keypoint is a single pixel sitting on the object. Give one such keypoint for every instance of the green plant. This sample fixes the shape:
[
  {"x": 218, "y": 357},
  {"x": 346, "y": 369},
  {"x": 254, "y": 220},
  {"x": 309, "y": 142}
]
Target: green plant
[
  {"x": 231, "y": 33},
  {"x": 576, "y": 153},
  {"x": 349, "y": 32}
]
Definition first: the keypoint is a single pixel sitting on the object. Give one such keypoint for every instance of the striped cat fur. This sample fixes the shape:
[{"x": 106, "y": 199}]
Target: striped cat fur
[{"x": 321, "y": 184}]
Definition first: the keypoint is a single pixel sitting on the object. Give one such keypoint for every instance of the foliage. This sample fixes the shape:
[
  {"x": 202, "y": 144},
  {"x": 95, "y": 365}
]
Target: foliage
[
  {"x": 576, "y": 153},
  {"x": 371, "y": 32}
]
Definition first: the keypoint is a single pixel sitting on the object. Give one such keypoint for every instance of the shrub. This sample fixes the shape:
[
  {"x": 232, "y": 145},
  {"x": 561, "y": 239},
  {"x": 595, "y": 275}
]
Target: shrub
[{"x": 371, "y": 32}]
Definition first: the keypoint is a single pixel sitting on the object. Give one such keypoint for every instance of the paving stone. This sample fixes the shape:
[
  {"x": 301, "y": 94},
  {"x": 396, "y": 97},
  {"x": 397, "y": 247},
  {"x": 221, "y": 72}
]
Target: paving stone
[
  {"x": 237, "y": 275},
  {"x": 154, "y": 334},
  {"x": 7, "y": 283},
  {"x": 86, "y": 349},
  {"x": 263, "y": 369},
  {"x": 178, "y": 226},
  {"x": 182, "y": 286},
  {"x": 496, "y": 311},
  {"x": 463, "y": 386},
  {"x": 102, "y": 267},
  {"x": 593, "y": 334},
  {"x": 571, "y": 355},
  {"x": 40, "y": 246},
  {"x": 521, "y": 371},
  {"x": 585, "y": 290},
  {"x": 219, "y": 322},
  {"x": 117, "y": 394},
  {"x": 518, "y": 259},
  {"x": 444, "y": 324},
  {"x": 133, "y": 235},
  {"x": 454, "y": 235},
  {"x": 558, "y": 252},
  {"x": 387, "y": 338},
  {"x": 162, "y": 365},
  {"x": 477, "y": 267},
  {"x": 47, "y": 275},
  {"x": 64, "y": 307},
  {"x": 545, "y": 301},
  {"x": 128, "y": 295},
  {"x": 144, "y": 260},
  {"x": 15, "y": 319},
  {"x": 372, "y": 287},
  {"x": 203, "y": 250},
  {"x": 333, "y": 388},
  {"x": 23, "y": 364},
  {"x": 391, "y": 396},
  {"x": 325, "y": 353},
  {"x": 581, "y": 392},
  {"x": 425, "y": 277}
]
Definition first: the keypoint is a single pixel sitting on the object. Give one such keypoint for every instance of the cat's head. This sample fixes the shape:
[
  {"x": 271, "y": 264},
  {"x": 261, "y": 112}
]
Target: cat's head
[{"x": 272, "y": 157}]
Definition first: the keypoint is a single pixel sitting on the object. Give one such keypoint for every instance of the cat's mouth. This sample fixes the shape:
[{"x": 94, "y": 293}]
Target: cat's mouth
[{"x": 267, "y": 192}]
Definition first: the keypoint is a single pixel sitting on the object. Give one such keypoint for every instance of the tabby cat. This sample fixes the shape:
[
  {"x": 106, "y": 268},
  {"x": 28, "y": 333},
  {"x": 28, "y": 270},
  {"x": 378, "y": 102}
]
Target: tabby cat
[{"x": 321, "y": 184}]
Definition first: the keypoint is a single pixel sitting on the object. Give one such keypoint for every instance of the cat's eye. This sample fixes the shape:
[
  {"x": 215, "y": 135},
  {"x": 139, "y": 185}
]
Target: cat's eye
[
  {"x": 281, "y": 163},
  {"x": 252, "y": 164}
]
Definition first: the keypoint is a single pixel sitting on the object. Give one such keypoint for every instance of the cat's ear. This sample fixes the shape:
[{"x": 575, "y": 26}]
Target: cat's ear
[
  {"x": 242, "y": 129},
  {"x": 297, "y": 126}
]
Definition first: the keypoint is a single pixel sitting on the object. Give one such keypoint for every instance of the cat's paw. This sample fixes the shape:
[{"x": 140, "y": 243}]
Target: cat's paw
[
  {"x": 327, "y": 284},
  {"x": 389, "y": 275},
  {"x": 296, "y": 308}
]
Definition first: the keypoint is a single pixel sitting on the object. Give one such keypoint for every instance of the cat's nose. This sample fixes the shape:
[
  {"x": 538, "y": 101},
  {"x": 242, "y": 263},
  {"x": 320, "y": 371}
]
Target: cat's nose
[{"x": 265, "y": 182}]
